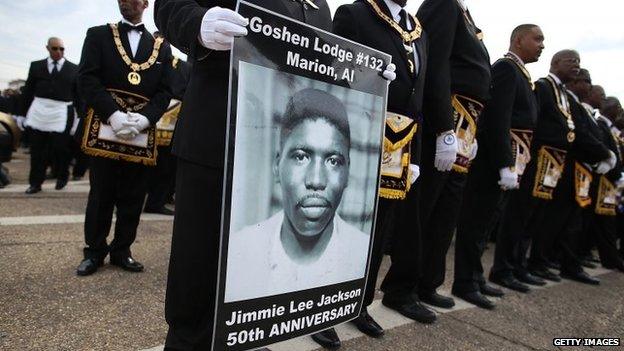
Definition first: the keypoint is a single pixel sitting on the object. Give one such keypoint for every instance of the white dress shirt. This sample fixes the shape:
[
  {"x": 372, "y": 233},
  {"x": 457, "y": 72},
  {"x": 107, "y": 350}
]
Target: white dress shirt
[
  {"x": 134, "y": 36},
  {"x": 395, "y": 11},
  {"x": 59, "y": 64}
]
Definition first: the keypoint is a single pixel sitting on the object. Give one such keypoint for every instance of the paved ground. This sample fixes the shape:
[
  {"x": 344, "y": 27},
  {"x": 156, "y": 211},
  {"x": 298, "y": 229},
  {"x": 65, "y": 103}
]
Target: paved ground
[{"x": 45, "y": 306}]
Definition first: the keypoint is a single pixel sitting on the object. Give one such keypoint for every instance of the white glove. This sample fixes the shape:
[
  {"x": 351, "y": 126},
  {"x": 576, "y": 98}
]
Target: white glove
[
  {"x": 620, "y": 182},
  {"x": 415, "y": 173},
  {"x": 446, "y": 151},
  {"x": 219, "y": 27},
  {"x": 389, "y": 73},
  {"x": 117, "y": 119},
  {"x": 473, "y": 150},
  {"x": 508, "y": 179},
  {"x": 138, "y": 121},
  {"x": 605, "y": 166}
]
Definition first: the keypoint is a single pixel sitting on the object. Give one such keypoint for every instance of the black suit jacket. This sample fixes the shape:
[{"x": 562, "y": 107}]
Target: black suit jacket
[
  {"x": 200, "y": 132},
  {"x": 512, "y": 105},
  {"x": 101, "y": 68},
  {"x": 359, "y": 23},
  {"x": 609, "y": 141},
  {"x": 458, "y": 61},
  {"x": 588, "y": 146},
  {"x": 41, "y": 83}
]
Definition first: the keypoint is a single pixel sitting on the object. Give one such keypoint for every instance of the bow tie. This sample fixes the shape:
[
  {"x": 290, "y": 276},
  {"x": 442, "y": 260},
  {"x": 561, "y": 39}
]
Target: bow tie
[{"x": 128, "y": 27}]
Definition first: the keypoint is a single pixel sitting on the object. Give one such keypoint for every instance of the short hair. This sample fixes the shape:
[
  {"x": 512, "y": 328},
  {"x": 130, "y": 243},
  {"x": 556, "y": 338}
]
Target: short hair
[
  {"x": 559, "y": 55},
  {"x": 521, "y": 30},
  {"x": 312, "y": 104},
  {"x": 610, "y": 102},
  {"x": 584, "y": 74}
]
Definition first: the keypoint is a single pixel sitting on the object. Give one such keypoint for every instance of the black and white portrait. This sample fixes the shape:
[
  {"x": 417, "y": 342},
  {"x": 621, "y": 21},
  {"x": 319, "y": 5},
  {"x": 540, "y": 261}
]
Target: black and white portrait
[{"x": 303, "y": 190}]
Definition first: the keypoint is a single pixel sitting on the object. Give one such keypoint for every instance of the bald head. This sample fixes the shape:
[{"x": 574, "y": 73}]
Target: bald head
[
  {"x": 56, "y": 48},
  {"x": 565, "y": 64}
]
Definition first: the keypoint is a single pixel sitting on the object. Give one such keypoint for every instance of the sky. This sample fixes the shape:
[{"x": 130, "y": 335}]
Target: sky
[{"x": 593, "y": 28}]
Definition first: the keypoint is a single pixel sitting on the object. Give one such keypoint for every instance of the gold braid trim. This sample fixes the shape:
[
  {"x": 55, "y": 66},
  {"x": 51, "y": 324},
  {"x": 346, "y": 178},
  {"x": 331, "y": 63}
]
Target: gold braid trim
[
  {"x": 581, "y": 176},
  {"x": 388, "y": 145},
  {"x": 408, "y": 37},
  {"x": 604, "y": 187},
  {"x": 135, "y": 67},
  {"x": 511, "y": 57}
]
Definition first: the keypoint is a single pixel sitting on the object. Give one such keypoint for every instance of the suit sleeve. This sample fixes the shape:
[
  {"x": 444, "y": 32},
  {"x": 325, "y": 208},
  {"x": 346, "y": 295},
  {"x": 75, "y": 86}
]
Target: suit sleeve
[
  {"x": 587, "y": 146},
  {"x": 439, "y": 19},
  {"x": 180, "y": 21},
  {"x": 160, "y": 100},
  {"x": 344, "y": 23},
  {"x": 497, "y": 121},
  {"x": 90, "y": 86},
  {"x": 28, "y": 93}
]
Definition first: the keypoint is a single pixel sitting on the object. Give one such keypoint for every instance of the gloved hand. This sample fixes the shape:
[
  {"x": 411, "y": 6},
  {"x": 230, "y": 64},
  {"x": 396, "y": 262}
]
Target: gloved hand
[
  {"x": 605, "y": 166},
  {"x": 117, "y": 119},
  {"x": 415, "y": 173},
  {"x": 473, "y": 150},
  {"x": 620, "y": 182},
  {"x": 389, "y": 73},
  {"x": 138, "y": 121},
  {"x": 219, "y": 27},
  {"x": 508, "y": 179},
  {"x": 127, "y": 133},
  {"x": 446, "y": 151}
]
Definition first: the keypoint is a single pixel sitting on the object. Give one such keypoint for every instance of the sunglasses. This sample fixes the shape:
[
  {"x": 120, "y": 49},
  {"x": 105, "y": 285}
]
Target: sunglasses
[{"x": 57, "y": 48}]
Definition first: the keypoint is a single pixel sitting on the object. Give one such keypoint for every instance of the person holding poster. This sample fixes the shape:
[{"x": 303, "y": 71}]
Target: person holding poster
[
  {"x": 371, "y": 23},
  {"x": 204, "y": 30}
]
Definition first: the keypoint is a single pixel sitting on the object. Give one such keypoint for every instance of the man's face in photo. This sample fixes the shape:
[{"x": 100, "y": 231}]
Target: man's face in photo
[{"x": 313, "y": 170}]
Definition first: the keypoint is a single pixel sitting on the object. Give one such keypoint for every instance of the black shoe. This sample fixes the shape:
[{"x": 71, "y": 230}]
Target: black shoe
[
  {"x": 587, "y": 264},
  {"x": 545, "y": 273},
  {"x": 60, "y": 184},
  {"x": 437, "y": 300},
  {"x": 367, "y": 325},
  {"x": 327, "y": 338},
  {"x": 33, "y": 189},
  {"x": 488, "y": 290},
  {"x": 163, "y": 211},
  {"x": 76, "y": 178},
  {"x": 552, "y": 265},
  {"x": 581, "y": 277},
  {"x": 88, "y": 266},
  {"x": 127, "y": 263},
  {"x": 510, "y": 283},
  {"x": 477, "y": 299},
  {"x": 411, "y": 309},
  {"x": 528, "y": 278}
]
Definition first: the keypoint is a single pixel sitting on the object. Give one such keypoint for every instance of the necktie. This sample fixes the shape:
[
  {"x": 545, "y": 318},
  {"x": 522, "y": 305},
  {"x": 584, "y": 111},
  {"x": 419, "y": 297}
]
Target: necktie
[
  {"x": 408, "y": 46},
  {"x": 55, "y": 68}
]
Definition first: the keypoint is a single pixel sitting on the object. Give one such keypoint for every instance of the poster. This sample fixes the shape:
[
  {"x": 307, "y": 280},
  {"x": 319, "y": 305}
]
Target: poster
[{"x": 306, "y": 123}]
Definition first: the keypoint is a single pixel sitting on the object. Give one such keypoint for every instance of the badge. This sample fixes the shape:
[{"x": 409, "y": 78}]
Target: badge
[
  {"x": 449, "y": 139},
  {"x": 134, "y": 78},
  {"x": 571, "y": 137}
]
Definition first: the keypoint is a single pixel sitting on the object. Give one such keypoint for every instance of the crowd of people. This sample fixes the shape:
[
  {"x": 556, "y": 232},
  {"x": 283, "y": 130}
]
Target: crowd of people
[{"x": 535, "y": 165}]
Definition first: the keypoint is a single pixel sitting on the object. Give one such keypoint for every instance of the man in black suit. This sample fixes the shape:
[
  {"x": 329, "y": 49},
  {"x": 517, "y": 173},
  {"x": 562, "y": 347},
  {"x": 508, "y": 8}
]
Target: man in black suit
[
  {"x": 106, "y": 68},
  {"x": 457, "y": 86},
  {"x": 560, "y": 226},
  {"x": 505, "y": 130},
  {"x": 48, "y": 102},
  {"x": 204, "y": 30},
  {"x": 373, "y": 23},
  {"x": 599, "y": 227}
]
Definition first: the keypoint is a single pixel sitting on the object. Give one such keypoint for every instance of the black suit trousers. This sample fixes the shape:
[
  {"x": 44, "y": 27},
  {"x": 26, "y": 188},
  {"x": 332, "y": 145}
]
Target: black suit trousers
[
  {"x": 48, "y": 148},
  {"x": 160, "y": 178},
  {"x": 602, "y": 230},
  {"x": 114, "y": 184},
  {"x": 482, "y": 198},
  {"x": 192, "y": 279},
  {"x": 440, "y": 204},
  {"x": 383, "y": 227}
]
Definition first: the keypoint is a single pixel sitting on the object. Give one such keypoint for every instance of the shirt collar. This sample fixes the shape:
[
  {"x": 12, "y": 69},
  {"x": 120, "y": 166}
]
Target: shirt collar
[
  {"x": 59, "y": 62},
  {"x": 599, "y": 116},
  {"x": 574, "y": 96},
  {"x": 518, "y": 57},
  {"x": 123, "y": 20},
  {"x": 554, "y": 76},
  {"x": 395, "y": 9}
]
